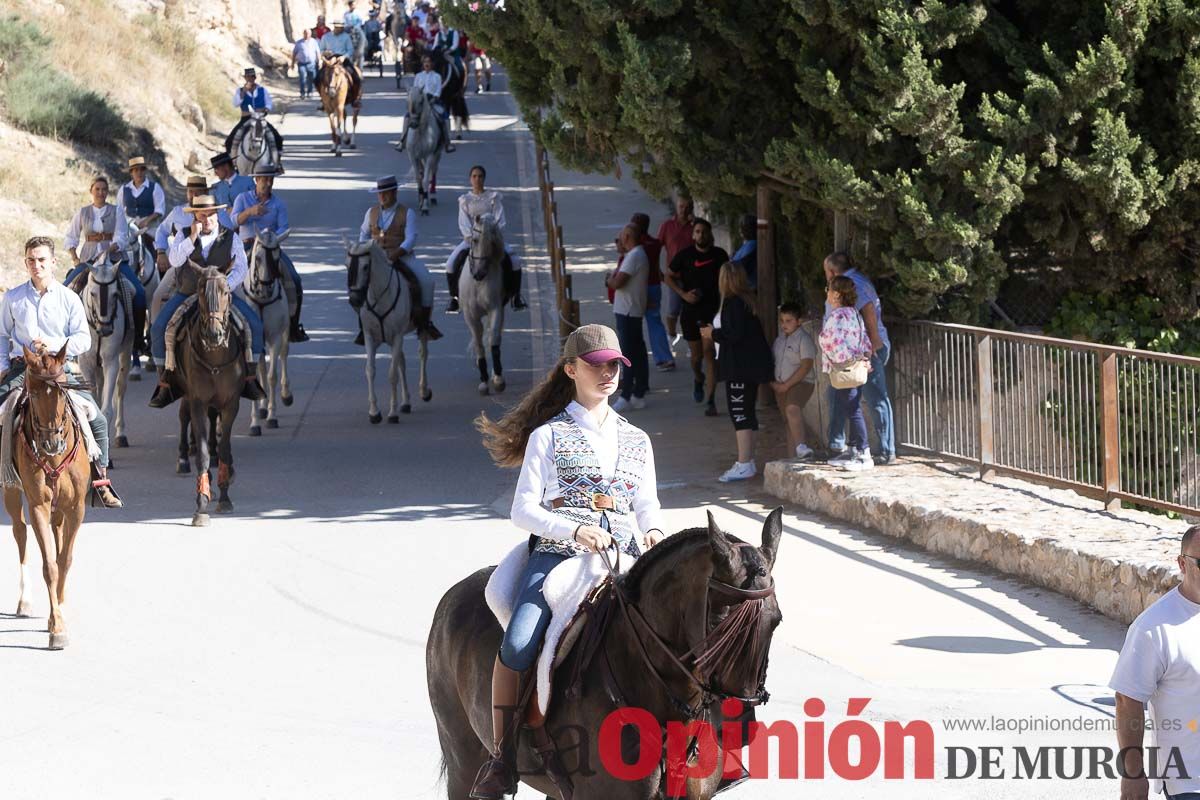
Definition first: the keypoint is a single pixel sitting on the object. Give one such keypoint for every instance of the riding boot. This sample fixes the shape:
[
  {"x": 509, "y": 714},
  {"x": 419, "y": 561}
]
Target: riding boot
[
  {"x": 253, "y": 390},
  {"x": 164, "y": 394},
  {"x": 360, "y": 340},
  {"x": 498, "y": 776},
  {"x": 424, "y": 318},
  {"x": 139, "y": 331},
  {"x": 452, "y": 282},
  {"x": 403, "y": 135},
  {"x": 102, "y": 489},
  {"x": 297, "y": 334},
  {"x": 518, "y": 302}
]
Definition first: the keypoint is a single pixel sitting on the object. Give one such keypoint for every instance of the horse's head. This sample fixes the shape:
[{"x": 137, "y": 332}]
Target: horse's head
[
  {"x": 46, "y": 390},
  {"x": 486, "y": 244},
  {"x": 358, "y": 269},
  {"x": 265, "y": 257},
  {"x": 102, "y": 295},
  {"x": 214, "y": 300}
]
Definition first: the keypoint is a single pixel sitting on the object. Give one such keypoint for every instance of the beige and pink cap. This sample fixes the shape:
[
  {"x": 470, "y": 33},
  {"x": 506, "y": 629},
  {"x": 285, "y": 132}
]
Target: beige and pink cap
[{"x": 595, "y": 344}]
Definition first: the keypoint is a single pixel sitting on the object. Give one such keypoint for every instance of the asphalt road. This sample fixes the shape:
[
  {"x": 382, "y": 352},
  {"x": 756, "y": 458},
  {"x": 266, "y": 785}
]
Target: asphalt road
[{"x": 280, "y": 652}]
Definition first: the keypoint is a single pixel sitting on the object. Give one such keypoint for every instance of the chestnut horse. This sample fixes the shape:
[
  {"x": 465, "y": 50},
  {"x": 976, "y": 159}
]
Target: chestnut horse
[{"x": 50, "y": 453}]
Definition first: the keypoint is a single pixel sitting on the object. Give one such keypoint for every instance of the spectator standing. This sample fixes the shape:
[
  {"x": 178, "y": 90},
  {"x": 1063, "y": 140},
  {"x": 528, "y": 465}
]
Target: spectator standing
[
  {"x": 746, "y": 256},
  {"x": 321, "y": 29},
  {"x": 879, "y": 404},
  {"x": 844, "y": 340},
  {"x": 694, "y": 275},
  {"x": 1160, "y": 665},
  {"x": 629, "y": 306},
  {"x": 660, "y": 344},
  {"x": 795, "y": 377},
  {"x": 306, "y": 55},
  {"x": 676, "y": 234},
  {"x": 744, "y": 363}
]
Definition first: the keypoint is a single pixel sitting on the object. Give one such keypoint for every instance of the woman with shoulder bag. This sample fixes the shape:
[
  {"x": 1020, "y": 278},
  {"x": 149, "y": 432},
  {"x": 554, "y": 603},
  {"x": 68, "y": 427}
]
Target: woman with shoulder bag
[{"x": 846, "y": 356}]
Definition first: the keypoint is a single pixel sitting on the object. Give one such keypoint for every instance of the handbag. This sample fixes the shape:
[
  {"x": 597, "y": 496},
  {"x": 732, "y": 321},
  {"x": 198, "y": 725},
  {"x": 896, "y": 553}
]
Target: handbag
[{"x": 848, "y": 374}]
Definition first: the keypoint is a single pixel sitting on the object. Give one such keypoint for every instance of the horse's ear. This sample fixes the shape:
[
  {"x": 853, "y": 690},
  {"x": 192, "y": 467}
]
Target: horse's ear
[
  {"x": 721, "y": 549},
  {"x": 61, "y": 355},
  {"x": 30, "y": 356},
  {"x": 771, "y": 535}
]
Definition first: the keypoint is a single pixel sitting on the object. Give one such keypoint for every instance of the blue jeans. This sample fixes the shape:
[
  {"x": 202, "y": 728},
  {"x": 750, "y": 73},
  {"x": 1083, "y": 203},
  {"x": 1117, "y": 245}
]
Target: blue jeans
[
  {"x": 660, "y": 343},
  {"x": 139, "y": 291},
  {"x": 849, "y": 402},
  {"x": 531, "y": 614},
  {"x": 308, "y": 78},
  {"x": 158, "y": 331},
  {"x": 635, "y": 381},
  {"x": 879, "y": 405}
]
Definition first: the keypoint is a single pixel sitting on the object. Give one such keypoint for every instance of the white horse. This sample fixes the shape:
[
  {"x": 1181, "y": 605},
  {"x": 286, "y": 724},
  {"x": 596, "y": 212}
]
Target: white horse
[
  {"x": 142, "y": 262},
  {"x": 359, "y": 41},
  {"x": 106, "y": 363},
  {"x": 384, "y": 303},
  {"x": 423, "y": 142},
  {"x": 395, "y": 31},
  {"x": 263, "y": 289},
  {"x": 481, "y": 293},
  {"x": 253, "y": 145}
]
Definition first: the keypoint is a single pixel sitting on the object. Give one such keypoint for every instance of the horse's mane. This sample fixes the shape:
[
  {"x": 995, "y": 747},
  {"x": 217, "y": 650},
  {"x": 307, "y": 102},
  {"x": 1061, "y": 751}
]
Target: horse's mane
[{"x": 667, "y": 548}]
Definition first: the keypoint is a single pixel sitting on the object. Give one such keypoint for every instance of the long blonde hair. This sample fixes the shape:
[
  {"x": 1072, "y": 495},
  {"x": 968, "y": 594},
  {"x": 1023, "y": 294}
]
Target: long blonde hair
[
  {"x": 733, "y": 281},
  {"x": 506, "y": 438}
]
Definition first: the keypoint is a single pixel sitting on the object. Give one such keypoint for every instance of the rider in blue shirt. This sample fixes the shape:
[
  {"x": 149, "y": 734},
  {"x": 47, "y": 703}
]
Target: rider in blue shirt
[
  {"x": 229, "y": 183},
  {"x": 262, "y": 210}
]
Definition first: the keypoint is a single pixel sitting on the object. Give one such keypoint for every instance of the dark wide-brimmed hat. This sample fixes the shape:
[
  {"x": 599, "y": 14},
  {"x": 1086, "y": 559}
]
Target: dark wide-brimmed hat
[
  {"x": 595, "y": 344},
  {"x": 197, "y": 182},
  {"x": 219, "y": 159},
  {"x": 250, "y": 72},
  {"x": 266, "y": 171},
  {"x": 204, "y": 202},
  {"x": 386, "y": 184}
]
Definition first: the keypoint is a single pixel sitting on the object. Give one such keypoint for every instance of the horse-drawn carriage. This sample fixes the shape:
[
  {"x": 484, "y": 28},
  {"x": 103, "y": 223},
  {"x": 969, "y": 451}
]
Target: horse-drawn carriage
[{"x": 373, "y": 55}]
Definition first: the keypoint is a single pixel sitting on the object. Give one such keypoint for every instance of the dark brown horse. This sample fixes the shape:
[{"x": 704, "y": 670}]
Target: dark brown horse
[
  {"x": 682, "y": 635},
  {"x": 211, "y": 367}
]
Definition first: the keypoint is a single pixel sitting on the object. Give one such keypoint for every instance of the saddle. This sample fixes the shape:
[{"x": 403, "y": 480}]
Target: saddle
[
  {"x": 510, "y": 277},
  {"x": 79, "y": 286},
  {"x": 414, "y": 288},
  {"x": 184, "y": 314}
]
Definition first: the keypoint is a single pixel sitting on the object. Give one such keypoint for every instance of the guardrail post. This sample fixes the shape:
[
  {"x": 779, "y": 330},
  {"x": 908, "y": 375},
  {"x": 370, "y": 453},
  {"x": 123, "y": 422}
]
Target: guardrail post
[
  {"x": 767, "y": 282},
  {"x": 983, "y": 382},
  {"x": 1109, "y": 438}
]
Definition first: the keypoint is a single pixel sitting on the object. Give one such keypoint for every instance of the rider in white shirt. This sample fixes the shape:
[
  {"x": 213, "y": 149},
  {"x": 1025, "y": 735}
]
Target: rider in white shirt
[
  {"x": 429, "y": 82},
  {"x": 250, "y": 97},
  {"x": 337, "y": 46},
  {"x": 142, "y": 199},
  {"x": 471, "y": 204}
]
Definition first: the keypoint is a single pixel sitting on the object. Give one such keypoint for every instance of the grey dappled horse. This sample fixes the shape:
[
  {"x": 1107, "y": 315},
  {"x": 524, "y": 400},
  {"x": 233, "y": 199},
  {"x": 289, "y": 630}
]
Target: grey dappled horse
[
  {"x": 263, "y": 289},
  {"x": 481, "y": 295},
  {"x": 705, "y": 592},
  {"x": 106, "y": 363},
  {"x": 254, "y": 146},
  {"x": 423, "y": 141},
  {"x": 384, "y": 303}
]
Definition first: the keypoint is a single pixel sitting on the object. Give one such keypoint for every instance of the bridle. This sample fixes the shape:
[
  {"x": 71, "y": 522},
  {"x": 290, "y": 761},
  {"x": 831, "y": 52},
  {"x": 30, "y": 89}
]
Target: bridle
[
  {"x": 485, "y": 241},
  {"x": 107, "y": 318},
  {"x": 360, "y": 290},
  {"x": 218, "y": 304},
  {"x": 54, "y": 381},
  {"x": 264, "y": 291}
]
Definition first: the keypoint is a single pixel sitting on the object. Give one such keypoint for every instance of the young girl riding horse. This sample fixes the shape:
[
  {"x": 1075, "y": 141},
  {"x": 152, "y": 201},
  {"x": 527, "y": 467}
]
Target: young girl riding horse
[{"x": 587, "y": 483}]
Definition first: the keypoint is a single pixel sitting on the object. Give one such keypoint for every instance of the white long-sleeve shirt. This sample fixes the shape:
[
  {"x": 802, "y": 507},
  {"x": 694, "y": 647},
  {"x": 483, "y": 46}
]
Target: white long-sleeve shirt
[
  {"x": 88, "y": 220},
  {"x": 182, "y": 246},
  {"x": 179, "y": 219},
  {"x": 239, "y": 94},
  {"x": 386, "y": 216},
  {"x": 471, "y": 205},
  {"x": 538, "y": 484},
  {"x": 160, "y": 199},
  {"x": 429, "y": 82},
  {"x": 54, "y": 316}
]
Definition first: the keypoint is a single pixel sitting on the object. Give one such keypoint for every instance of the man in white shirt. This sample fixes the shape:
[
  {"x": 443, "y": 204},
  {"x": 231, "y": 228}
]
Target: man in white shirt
[
  {"x": 628, "y": 283},
  {"x": 142, "y": 200},
  {"x": 43, "y": 314},
  {"x": 179, "y": 218},
  {"x": 1160, "y": 665},
  {"x": 429, "y": 82}
]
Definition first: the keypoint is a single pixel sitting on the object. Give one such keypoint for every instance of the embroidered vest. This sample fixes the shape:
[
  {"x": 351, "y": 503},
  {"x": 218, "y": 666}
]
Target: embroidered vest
[
  {"x": 108, "y": 218},
  {"x": 140, "y": 206},
  {"x": 393, "y": 237},
  {"x": 219, "y": 255},
  {"x": 256, "y": 100},
  {"x": 579, "y": 477}
]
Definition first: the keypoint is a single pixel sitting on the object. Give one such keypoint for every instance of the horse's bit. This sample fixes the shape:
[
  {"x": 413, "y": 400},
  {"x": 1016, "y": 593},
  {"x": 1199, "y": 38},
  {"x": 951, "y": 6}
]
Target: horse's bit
[
  {"x": 108, "y": 316},
  {"x": 256, "y": 287}
]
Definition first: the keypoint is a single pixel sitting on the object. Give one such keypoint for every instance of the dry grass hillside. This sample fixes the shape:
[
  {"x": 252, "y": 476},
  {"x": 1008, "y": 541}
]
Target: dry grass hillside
[{"x": 85, "y": 84}]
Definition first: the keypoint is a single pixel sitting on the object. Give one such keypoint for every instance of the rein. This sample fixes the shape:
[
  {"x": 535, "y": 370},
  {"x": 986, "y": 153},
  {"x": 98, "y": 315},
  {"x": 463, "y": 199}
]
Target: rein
[
  {"x": 366, "y": 290},
  {"x": 105, "y": 318},
  {"x": 30, "y": 429},
  {"x": 272, "y": 283}
]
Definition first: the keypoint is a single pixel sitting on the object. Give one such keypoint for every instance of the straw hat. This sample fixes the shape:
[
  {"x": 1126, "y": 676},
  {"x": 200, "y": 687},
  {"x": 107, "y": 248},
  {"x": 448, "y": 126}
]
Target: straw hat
[
  {"x": 385, "y": 184},
  {"x": 204, "y": 202},
  {"x": 137, "y": 161}
]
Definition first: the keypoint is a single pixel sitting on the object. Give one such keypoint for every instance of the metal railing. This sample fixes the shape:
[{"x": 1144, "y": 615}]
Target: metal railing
[
  {"x": 1107, "y": 422},
  {"x": 565, "y": 303}
]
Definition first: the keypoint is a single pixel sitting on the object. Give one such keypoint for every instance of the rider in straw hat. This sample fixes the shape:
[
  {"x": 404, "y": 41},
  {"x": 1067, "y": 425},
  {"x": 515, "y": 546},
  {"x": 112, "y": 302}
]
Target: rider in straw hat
[
  {"x": 209, "y": 244},
  {"x": 251, "y": 97},
  {"x": 180, "y": 218},
  {"x": 587, "y": 482},
  {"x": 338, "y": 47},
  {"x": 394, "y": 226},
  {"x": 142, "y": 199}
]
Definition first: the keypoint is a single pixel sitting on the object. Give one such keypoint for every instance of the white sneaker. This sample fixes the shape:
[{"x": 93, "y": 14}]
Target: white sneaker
[
  {"x": 840, "y": 456},
  {"x": 804, "y": 452},
  {"x": 638, "y": 403},
  {"x": 739, "y": 472},
  {"x": 620, "y": 405},
  {"x": 859, "y": 461}
]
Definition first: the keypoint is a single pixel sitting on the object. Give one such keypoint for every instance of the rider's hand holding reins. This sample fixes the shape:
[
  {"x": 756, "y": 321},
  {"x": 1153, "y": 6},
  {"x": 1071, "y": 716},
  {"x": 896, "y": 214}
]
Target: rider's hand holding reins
[
  {"x": 651, "y": 538},
  {"x": 593, "y": 538}
]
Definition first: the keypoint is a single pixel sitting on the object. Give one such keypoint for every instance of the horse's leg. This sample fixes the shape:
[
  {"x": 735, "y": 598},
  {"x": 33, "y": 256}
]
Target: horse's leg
[
  {"x": 285, "y": 385},
  {"x": 423, "y": 357},
  {"x": 126, "y": 357},
  {"x": 272, "y": 384},
  {"x": 183, "y": 465},
  {"x": 16, "y": 513},
  {"x": 400, "y": 365},
  {"x": 225, "y": 471},
  {"x": 257, "y": 405},
  {"x": 70, "y": 519},
  {"x": 372, "y": 407},
  {"x": 476, "y": 327},
  {"x": 198, "y": 412},
  {"x": 353, "y": 127},
  {"x": 39, "y": 516},
  {"x": 496, "y": 320}
]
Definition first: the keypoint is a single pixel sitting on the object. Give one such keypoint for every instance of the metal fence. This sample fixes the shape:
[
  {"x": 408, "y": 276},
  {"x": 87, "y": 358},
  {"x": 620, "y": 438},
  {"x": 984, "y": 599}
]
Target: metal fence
[
  {"x": 1110, "y": 423},
  {"x": 564, "y": 301}
]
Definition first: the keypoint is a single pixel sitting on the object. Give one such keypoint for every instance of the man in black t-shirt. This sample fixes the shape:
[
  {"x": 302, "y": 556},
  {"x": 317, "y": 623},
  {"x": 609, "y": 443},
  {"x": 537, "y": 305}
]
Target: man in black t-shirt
[{"x": 694, "y": 275}]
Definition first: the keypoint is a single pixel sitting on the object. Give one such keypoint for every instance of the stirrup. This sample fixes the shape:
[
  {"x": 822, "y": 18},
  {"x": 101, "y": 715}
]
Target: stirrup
[
  {"x": 297, "y": 332},
  {"x": 108, "y": 498},
  {"x": 163, "y": 396},
  {"x": 494, "y": 781},
  {"x": 453, "y": 307},
  {"x": 518, "y": 303},
  {"x": 252, "y": 389}
]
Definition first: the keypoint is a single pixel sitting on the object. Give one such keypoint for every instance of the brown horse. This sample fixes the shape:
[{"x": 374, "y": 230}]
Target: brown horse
[
  {"x": 337, "y": 92},
  {"x": 50, "y": 452},
  {"x": 211, "y": 369},
  {"x": 688, "y": 627}
]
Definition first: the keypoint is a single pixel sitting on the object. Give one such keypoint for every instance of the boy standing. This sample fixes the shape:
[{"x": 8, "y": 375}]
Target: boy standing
[{"x": 795, "y": 378}]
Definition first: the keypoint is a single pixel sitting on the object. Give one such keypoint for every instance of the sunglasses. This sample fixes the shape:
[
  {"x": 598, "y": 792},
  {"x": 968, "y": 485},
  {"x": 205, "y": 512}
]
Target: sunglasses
[{"x": 1194, "y": 559}]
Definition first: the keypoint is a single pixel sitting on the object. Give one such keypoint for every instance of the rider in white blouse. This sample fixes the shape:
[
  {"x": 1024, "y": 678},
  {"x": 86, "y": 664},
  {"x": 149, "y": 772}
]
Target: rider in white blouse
[{"x": 472, "y": 204}]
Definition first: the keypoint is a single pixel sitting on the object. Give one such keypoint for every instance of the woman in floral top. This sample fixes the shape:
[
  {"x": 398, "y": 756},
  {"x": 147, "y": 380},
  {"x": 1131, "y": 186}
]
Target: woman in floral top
[{"x": 844, "y": 338}]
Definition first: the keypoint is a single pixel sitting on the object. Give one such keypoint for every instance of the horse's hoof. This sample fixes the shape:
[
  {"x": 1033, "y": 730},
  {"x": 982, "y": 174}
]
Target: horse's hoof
[
  {"x": 58, "y": 641},
  {"x": 224, "y": 506},
  {"x": 288, "y": 399},
  {"x": 433, "y": 200},
  {"x": 406, "y": 409},
  {"x": 427, "y": 395},
  {"x": 272, "y": 423},
  {"x": 200, "y": 520},
  {"x": 375, "y": 418},
  {"x": 262, "y": 413},
  {"x": 255, "y": 430},
  {"x": 499, "y": 385},
  {"x": 24, "y": 609},
  {"x": 183, "y": 467},
  {"x": 122, "y": 441},
  {"x": 135, "y": 376},
  {"x": 395, "y": 420},
  {"x": 424, "y": 212},
  {"x": 338, "y": 154},
  {"x": 483, "y": 388},
  {"x": 353, "y": 146}
]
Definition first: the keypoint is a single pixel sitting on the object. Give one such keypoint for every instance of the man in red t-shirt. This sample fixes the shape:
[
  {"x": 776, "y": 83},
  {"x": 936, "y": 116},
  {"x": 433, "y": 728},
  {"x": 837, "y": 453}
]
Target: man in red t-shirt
[
  {"x": 676, "y": 234},
  {"x": 320, "y": 29}
]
